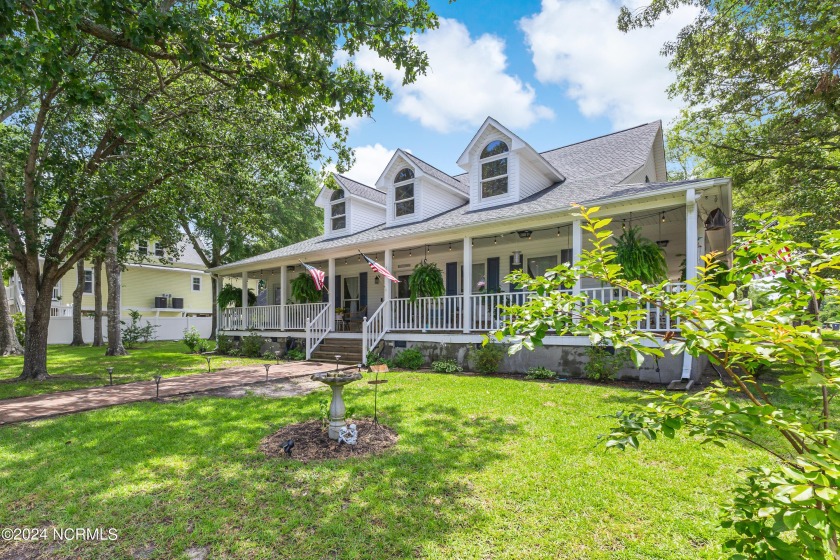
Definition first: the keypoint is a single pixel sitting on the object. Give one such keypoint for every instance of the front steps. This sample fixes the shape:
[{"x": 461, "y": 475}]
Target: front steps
[{"x": 349, "y": 349}]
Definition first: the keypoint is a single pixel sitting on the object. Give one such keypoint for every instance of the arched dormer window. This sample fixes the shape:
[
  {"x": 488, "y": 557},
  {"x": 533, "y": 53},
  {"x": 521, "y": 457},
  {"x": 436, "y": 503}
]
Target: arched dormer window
[
  {"x": 338, "y": 210},
  {"x": 404, "y": 193},
  {"x": 494, "y": 169}
]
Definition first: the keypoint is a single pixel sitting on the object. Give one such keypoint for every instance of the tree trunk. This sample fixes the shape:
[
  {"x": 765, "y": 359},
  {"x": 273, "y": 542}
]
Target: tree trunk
[
  {"x": 215, "y": 307},
  {"x": 78, "y": 340},
  {"x": 38, "y": 304},
  {"x": 97, "y": 301},
  {"x": 9, "y": 343},
  {"x": 112, "y": 272}
]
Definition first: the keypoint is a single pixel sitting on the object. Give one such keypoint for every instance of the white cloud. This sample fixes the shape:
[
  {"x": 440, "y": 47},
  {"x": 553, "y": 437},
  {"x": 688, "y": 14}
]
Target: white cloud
[
  {"x": 576, "y": 44},
  {"x": 466, "y": 81},
  {"x": 369, "y": 164}
]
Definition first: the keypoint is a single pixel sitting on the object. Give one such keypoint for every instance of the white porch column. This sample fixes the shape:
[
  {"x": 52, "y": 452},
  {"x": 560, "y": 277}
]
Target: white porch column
[
  {"x": 577, "y": 249},
  {"x": 690, "y": 235},
  {"x": 386, "y": 298},
  {"x": 467, "y": 295},
  {"x": 284, "y": 277},
  {"x": 245, "y": 322},
  {"x": 331, "y": 294}
]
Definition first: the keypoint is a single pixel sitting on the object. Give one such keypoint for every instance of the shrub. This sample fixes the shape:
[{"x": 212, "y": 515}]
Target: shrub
[
  {"x": 446, "y": 366},
  {"x": 135, "y": 332},
  {"x": 19, "y": 320},
  {"x": 487, "y": 358},
  {"x": 252, "y": 345},
  {"x": 410, "y": 358},
  {"x": 295, "y": 355},
  {"x": 540, "y": 373},
  {"x": 224, "y": 344},
  {"x": 603, "y": 364},
  {"x": 234, "y": 352},
  {"x": 269, "y": 356},
  {"x": 192, "y": 339},
  {"x": 374, "y": 359}
]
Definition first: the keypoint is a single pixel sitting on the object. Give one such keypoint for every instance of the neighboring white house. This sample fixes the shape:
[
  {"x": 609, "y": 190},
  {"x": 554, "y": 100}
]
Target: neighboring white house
[{"x": 511, "y": 208}]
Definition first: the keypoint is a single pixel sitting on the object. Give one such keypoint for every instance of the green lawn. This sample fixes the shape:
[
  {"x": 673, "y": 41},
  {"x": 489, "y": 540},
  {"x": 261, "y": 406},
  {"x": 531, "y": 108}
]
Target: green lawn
[
  {"x": 484, "y": 468},
  {"x": 80, "y": 367}
]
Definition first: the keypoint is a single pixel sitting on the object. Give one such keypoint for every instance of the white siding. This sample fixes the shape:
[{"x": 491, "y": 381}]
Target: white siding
[
  {"x": 647, "y": 170},
  {"x": 435, "y": 200},
  {"x": 531, "y": 179},
  {"x": 363, "y": 215}
]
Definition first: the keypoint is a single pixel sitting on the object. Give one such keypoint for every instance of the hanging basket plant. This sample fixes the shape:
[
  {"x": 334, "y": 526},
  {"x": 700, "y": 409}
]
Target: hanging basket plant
[
  {"x": 304, "y": 290},
  {"x": 231, "y": 294},
  {"x": 426, "y": 281},
  {"x": 640, "y": 258}
]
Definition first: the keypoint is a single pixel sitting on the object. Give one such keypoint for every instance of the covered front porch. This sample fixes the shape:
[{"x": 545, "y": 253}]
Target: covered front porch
[{"x": 361, "y": 304}]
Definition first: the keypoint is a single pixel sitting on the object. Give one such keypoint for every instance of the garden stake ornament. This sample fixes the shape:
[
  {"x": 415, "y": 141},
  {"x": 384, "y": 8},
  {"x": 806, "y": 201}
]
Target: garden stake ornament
[{"x": 376, "y": 383}]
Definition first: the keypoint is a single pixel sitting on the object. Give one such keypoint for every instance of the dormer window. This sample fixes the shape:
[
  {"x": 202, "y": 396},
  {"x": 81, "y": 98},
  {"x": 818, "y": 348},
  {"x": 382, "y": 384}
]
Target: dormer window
[
  {"x": 494, "y": 169},
  {"x": 338, "y": 210},
  {"x": 404, "y": 193}
]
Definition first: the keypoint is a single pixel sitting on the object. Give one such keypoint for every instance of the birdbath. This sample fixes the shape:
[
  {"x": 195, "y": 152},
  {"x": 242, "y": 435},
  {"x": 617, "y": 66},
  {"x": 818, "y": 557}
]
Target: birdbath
[{"x": 336, "y": 380}]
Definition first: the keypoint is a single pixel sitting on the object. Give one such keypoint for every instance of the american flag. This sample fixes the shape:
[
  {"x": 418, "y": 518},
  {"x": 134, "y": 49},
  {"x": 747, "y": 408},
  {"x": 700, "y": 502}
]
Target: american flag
[
  {"x": 317, "y": 275},
  {"x": 379, "y": 269}
]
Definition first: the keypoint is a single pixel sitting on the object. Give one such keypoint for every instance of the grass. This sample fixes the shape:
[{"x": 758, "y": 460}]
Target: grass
[
  {"x": 484, "y": 468},
  {"x": 85, "y": 366}
]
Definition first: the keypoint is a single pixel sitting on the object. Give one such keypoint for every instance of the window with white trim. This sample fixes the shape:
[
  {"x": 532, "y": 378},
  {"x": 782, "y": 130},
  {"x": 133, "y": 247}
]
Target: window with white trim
[
  {"x": 494, "y": 169},
  {"x": 88, "y": 287},
  {"x": 196, "y": 283},
  {"x": 158, "y": 249},
  {"x": 143, "y": 247},
  {"x": 338, "y": 211},
  {"x": 404, "y": 193}
]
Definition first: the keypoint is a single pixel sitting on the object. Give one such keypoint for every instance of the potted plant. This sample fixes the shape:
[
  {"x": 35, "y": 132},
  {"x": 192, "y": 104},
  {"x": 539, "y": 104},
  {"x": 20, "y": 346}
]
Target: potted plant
[
  {"x": 304, "y": 291},
  {"x": 640, "y": 258},
  {"x": 339, "y": 313},
  {"x": 426, "y": 281}
]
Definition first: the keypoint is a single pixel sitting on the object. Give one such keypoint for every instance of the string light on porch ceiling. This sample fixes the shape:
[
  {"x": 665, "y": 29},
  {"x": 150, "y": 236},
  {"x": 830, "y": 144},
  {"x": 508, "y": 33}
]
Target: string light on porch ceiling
[{"x": 529, "y": 234}]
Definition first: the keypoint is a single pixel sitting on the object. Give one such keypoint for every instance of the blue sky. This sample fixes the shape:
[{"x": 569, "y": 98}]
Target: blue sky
[{"x": 554, "y": 71}]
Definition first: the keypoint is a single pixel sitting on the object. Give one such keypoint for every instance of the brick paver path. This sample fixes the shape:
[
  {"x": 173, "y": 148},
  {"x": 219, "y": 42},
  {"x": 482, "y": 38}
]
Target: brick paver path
[{"x": 66, "y": 402}]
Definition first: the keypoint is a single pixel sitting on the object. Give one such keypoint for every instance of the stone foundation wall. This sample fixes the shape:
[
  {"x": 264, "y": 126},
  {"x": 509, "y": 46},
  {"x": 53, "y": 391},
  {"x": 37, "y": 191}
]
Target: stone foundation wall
[{"x": 568, "y": 361}]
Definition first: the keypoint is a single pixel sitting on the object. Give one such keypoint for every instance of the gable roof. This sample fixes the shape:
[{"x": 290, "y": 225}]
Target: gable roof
[
  {"x": 359, "y": 189},
  {"x": 625, "y": 149},
  {"x": 433, "y": 171},
  {"x": 517, "y": 144}
]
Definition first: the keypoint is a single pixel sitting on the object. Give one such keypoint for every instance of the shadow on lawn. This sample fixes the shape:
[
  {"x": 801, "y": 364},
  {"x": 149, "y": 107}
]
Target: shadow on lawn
[{"x": 189, "y": 473}]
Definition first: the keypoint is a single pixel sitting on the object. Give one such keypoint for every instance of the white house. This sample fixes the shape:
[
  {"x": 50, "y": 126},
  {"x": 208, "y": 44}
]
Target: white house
[{"x": 511, "y": 208}]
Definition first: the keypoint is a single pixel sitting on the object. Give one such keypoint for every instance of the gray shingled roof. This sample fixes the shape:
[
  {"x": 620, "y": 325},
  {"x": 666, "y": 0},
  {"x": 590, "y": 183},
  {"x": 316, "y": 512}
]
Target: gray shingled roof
[
  {"x": 429, "y": 169},
  {"x": 623, "y": 149},
  {"x": 593, "y": 169},
  {"x": 358, "y": 189},
  {"x": 587, "y": 191}
]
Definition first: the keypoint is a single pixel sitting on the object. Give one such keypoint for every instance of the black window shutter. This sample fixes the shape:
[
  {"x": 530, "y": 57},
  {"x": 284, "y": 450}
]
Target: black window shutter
[
  {"x": 363, "y": 290},
  {"x": 512, "y": 287},
  {"x": 325, "y": 295},
  {"x": 452, "y": 279},
  {"x": 338, "y": 286},
  {"x": 494, "y": 283}
]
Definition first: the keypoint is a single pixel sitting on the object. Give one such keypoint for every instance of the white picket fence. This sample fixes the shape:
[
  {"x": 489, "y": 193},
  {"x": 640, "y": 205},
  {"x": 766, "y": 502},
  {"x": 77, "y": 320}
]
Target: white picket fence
[{"x": 168, "y": 328}]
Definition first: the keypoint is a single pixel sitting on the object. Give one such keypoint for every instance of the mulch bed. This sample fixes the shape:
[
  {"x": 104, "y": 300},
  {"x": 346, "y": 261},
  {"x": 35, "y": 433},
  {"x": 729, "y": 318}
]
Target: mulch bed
[{"x": 313, "y": 443}]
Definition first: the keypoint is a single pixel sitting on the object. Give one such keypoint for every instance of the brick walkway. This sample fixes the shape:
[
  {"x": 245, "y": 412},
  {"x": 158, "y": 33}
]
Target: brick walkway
[{"x": 67, "y": 402}]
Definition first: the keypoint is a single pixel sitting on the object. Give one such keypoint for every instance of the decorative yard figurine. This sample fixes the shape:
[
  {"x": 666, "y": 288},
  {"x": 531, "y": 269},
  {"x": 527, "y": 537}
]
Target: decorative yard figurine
[{"x": 348, "y": 434}]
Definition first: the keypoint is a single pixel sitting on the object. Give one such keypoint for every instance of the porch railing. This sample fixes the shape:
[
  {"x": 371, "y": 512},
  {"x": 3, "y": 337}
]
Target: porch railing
[
  {"x": 427, "y": 314},
  {"x": 316, "y": 330},
  {"x": 374, "y": 328},
  {"x": 269, "y": 317}
]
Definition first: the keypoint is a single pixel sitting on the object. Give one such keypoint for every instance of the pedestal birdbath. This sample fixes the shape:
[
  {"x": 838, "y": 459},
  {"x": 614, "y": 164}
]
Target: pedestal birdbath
[{"x": 336, "y": 380}]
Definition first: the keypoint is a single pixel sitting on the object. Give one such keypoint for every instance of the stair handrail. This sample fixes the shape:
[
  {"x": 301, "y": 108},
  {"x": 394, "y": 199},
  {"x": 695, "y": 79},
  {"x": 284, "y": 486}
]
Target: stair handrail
[
  {"x": 317, "y": 330},
  {"x": 373, "y": 329}
]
